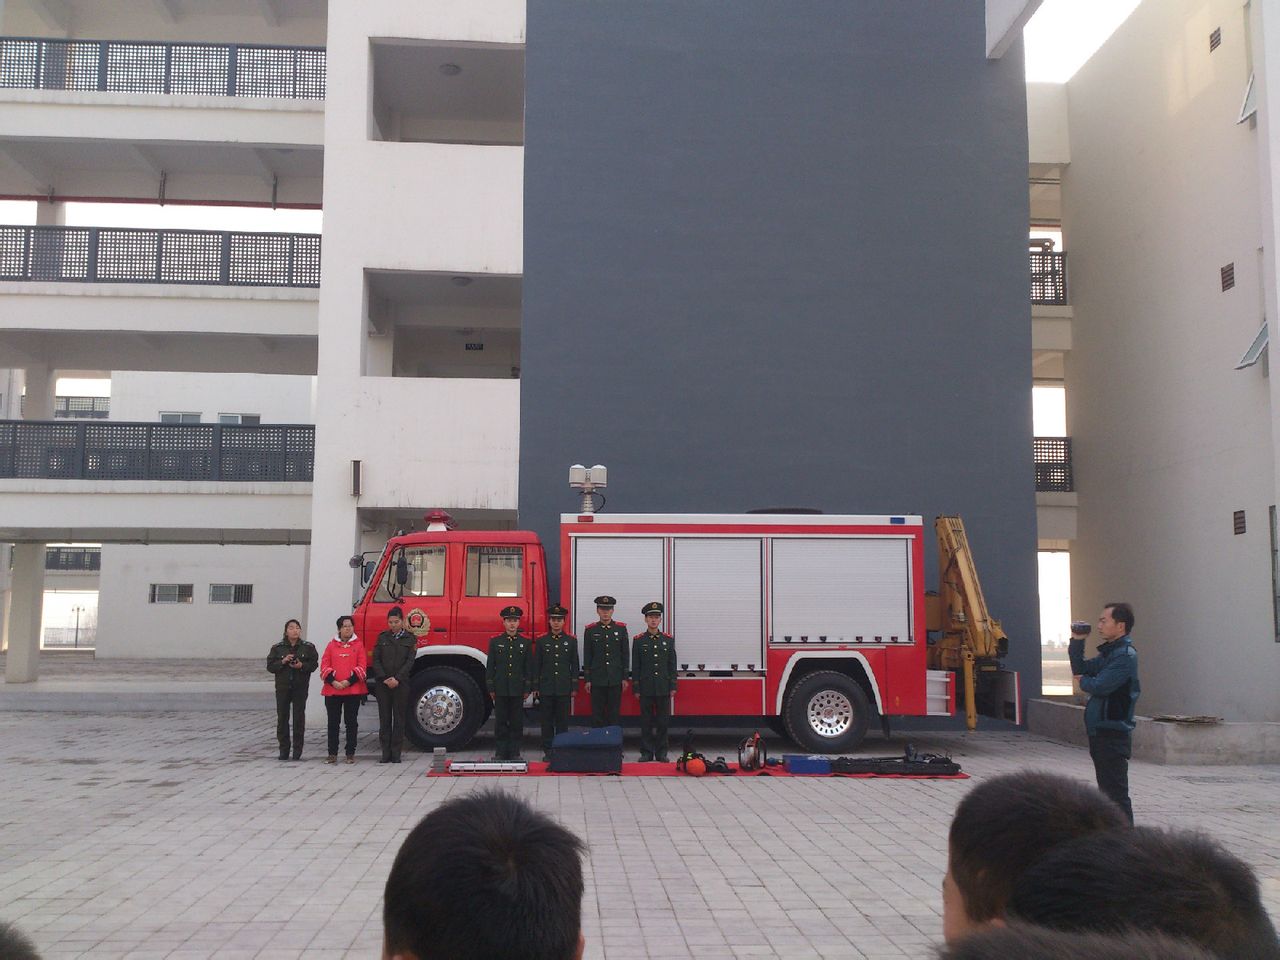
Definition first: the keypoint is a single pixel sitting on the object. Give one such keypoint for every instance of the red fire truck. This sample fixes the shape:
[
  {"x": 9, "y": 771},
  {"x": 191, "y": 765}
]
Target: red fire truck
[{"x": 813, "y": 624}]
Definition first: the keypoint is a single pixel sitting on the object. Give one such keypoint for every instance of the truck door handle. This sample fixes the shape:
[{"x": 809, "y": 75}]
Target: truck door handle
[{"x": 441, "y": 629}]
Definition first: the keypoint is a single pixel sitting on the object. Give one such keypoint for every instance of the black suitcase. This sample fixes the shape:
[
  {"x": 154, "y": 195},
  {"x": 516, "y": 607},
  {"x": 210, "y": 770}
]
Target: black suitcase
[{"x": 598, "y": 750}]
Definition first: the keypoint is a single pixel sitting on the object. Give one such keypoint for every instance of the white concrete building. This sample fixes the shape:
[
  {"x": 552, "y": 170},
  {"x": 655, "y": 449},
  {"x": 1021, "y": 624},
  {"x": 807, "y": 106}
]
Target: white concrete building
[{"x": 401, "y": 114}]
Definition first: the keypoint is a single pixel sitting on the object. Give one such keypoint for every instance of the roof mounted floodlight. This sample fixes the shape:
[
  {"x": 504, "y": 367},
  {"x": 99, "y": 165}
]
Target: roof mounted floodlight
[{"x": 588, "y": 480}]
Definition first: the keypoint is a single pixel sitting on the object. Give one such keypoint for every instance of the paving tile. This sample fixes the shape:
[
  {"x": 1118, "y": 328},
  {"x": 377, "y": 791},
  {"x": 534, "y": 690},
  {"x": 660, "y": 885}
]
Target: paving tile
[{"x": 180, "y": 835}]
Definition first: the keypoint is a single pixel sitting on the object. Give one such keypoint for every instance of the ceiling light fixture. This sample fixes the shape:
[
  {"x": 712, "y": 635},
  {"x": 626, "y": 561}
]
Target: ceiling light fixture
[
  {"x": 450, "y": 69},
  {"x": 460, "y": 281}
]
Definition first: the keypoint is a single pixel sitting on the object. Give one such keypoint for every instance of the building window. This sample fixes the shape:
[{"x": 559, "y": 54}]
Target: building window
[
  {"x": 494, "y": 571},
  {"x": 1275, "y": 576},
  {"x": 171, "y": 592},
  {"x": 178, "y": 417},
  {"x": 240, "y": 419},
  {"x": 231, "y": 593}
]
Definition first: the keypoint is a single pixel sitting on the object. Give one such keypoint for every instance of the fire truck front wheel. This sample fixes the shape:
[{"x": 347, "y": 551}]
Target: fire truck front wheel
[
  {"x": 826, "y": 712},
  {"x": 445, "y": 708}
]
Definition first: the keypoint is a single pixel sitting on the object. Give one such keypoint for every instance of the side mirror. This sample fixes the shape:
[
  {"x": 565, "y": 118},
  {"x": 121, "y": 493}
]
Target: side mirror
[
  {"x": 402, "y": 570},
  {"x": 367, "y": 573}
]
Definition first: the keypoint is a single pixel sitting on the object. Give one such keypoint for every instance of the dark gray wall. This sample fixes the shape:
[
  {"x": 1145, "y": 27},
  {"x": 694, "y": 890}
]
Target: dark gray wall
[{"x": 775, "y": 254}]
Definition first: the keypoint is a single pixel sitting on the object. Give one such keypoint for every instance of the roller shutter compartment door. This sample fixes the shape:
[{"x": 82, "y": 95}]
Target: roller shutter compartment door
[
  {"x": 717, "y": 613},
  {"x": 847, "y": 590},
  {"x": 627, "y": 568}
]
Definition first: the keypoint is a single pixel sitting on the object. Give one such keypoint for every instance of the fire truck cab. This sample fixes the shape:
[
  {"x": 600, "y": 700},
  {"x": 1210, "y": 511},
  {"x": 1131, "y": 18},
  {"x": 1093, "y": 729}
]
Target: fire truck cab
[{"x": 814, "y": 624}]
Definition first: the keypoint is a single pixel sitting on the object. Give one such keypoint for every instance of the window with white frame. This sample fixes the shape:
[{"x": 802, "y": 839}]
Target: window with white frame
[
  {"x": 240, "y": 419},
  {"x": 231, "y": 593},
  {"x": 177, "y": 416},
  {"x": 171, "y": 592}
]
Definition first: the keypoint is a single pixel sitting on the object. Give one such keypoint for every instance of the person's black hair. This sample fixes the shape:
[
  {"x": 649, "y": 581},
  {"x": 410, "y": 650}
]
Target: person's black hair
[
  {"x": 14, "y": 944},
  {"x": 1037, "y": 943},
  {"x": 395, "y": 612},
  {"x": 1004, "y": 825},
  {"x": 1121, "y": 613},
  {"x": 485, "y": 875},
  {"x": 1173, "y": 882},
  {"x": 346, "y": 616},
  {"x": 284, "y": 632}
]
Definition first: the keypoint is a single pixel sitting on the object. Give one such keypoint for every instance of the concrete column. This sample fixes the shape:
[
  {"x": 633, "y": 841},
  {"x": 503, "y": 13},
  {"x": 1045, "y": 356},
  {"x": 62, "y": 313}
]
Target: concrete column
[
  {"x": 40, "y": 383},
  {"x": 51, "y": 214},
  {"x": 26, "y": 590},
  {"x": 26, "y": 609}
]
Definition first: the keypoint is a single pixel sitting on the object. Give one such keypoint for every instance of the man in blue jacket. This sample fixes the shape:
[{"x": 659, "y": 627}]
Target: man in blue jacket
[{"x": 1111, "y": 680}]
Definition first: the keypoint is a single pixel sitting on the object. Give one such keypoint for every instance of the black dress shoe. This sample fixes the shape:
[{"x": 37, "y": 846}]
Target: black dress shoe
[
  {"x": 395, "y": 759},
  {"x": 385, "y": 760},
  {"x": 663, "y": 758},
  {"x": 646, "y": 758},
  {"x": 284, "y": 754}
]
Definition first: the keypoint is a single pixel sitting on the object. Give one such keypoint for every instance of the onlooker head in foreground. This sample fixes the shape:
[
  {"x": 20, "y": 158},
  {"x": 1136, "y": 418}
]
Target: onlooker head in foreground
[
  {"x": 14, "y": 945},
  {"x": 482, "y": 877},
  {"x": 1019, "y": 942},
  {"x": 1172, "y": 882},
  {"x": 1000, "y": 829}
]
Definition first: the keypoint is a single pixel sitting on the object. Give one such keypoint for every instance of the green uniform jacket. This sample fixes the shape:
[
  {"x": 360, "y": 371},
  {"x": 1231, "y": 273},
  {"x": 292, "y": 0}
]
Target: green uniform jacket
[
  {"x": 653, "y": 664},
  {"x": 286, "y": 677},
  {"x": 556, "y": 665},
  {"x": 605, "y": 654},
  {"x": 509, "y": 669},
  {"x": 393, "y": 656}
]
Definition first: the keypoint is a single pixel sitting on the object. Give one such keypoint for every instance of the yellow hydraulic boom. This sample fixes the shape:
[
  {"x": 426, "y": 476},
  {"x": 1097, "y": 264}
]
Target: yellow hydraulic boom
[{"x": 972, "y": 640}]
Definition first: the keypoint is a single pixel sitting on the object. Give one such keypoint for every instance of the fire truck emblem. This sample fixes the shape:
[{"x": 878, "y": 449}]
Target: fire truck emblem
[{"x": 418, "y": 622}]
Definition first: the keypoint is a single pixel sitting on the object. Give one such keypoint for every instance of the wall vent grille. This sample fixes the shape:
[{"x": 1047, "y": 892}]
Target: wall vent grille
[
  {"x": 1228, "y": 276},
  {"x": 1237, "y": 522},
  {"x": 1215, "y": 39}
]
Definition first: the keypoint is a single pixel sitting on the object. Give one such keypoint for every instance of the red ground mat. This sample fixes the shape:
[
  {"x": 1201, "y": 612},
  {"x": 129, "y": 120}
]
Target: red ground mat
[{"x": 538, "y": 769}]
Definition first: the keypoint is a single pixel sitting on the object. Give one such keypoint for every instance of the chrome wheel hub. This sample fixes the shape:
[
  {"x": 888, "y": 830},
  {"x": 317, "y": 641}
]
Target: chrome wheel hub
[
  {"x": 439, "y": 710},
  {"x": 830, "y": 713}
]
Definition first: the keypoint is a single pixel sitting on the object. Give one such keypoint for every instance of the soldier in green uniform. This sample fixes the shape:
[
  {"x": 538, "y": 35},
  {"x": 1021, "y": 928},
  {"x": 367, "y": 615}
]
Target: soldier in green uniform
[
  {"x": 509, "y": 676},
  {"x": 555, "y": 675},
  {"x": 604, "y": 662},
  {"x": 653, "y": 678}
]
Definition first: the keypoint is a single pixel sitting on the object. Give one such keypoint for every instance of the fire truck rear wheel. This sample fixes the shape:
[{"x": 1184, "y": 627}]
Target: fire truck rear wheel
[
  {"x": 445, "y": 708},
  {"x": 826, "y": 712}
]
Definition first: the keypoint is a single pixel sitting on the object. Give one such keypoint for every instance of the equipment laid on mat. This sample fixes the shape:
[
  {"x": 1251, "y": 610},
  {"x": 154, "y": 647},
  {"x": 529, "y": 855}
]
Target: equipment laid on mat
[
  {"x": 752, "y": 754},
  {"x": 697, "y": 765},
  {"x": 598, "y": 750},
  {"x": 487, "y": 766},
  {"x": 811, "y": 766},
  {"x": 910, "y": 762}
]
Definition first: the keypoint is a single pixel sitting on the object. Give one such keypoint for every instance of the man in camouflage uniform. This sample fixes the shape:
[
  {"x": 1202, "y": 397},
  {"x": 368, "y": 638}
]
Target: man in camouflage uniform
[
  {"x": 509, "y": 675},
  {"x": 653, "y": 678},
  {"x": 555, "y": 676},
  {"x": 604, "y": 662}
]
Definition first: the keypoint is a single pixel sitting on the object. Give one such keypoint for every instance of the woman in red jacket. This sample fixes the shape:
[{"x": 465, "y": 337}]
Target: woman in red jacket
[{"x": 343, "y": 668}]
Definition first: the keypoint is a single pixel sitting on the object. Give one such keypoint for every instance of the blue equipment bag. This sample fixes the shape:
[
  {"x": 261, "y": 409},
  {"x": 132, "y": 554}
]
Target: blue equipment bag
[{"x": 597, "y": 750}]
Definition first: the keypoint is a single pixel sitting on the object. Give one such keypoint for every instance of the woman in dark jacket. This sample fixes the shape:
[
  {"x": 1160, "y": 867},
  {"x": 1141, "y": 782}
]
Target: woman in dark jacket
[{"x": 292, "y": 660}]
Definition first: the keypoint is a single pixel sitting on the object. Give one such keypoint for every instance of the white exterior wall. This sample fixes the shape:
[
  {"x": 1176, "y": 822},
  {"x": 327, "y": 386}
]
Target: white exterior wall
[
  {"x": 437, "y": 207},
  {"x": 1169, "y": 439},
  {"x": 130, "y": 626},
  {"x": 142, "y": 396}
]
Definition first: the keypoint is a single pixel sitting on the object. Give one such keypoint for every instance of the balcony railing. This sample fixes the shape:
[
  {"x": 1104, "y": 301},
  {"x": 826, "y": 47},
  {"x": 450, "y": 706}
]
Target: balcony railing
[
  {"x": 1053, "y": 465},
  {"x": 73, "y": 559},
  {"x": 76, "y": 408},
  {"x": 127, "y": 255},
  {"x": 62, "y": 450},
  {"x": 1048, "y": 277},
  {"x": 143, "y": 66}
]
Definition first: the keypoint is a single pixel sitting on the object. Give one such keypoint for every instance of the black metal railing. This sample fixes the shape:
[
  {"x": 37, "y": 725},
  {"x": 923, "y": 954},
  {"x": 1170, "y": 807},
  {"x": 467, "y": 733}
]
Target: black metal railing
[
  {"x": 76, "y": 408},
  {"x": 1048, "y": 277},
  {"x": 1053, "y": 465},
  {"x": 128, "y": 255},
  {"x": 144, "y": 66},
  {"x": 62, "y": 450},
  {"x": 73, "y": 559}
]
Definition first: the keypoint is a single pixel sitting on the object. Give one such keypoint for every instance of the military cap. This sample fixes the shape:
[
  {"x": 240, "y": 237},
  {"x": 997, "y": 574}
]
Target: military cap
[
  {"x": 606, "y": 601},
  {"x": 512, "y": 611},
  {"x": 648, "y": 608},
  {"x": 555, "y": 610}
]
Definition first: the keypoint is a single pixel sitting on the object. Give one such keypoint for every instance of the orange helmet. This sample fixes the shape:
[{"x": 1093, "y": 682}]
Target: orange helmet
[{"x": 695, "y": 767}]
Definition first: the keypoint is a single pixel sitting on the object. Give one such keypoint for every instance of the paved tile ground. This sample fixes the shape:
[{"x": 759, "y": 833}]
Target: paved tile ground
[{"x": 180, "y": 835}]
